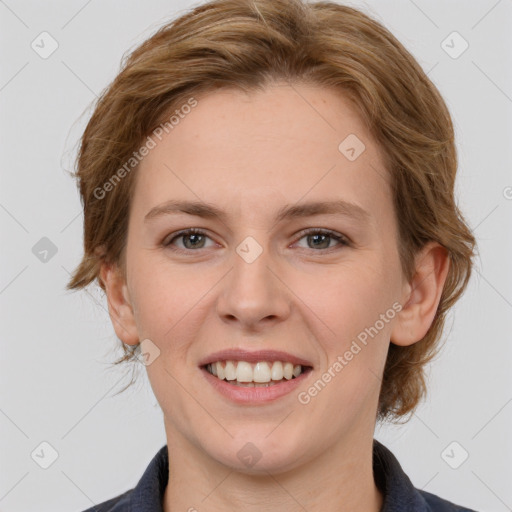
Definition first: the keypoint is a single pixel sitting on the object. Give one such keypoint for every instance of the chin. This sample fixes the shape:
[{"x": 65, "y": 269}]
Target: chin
[{"x": 260, "y": 455}]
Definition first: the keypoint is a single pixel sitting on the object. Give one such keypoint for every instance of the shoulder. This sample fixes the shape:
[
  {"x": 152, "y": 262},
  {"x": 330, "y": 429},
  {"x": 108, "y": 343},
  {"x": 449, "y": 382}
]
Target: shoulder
[
  {"x": 147, "y": 494},
  {"x": 399, "y": 494},
  {"x": 118, "y": 504},
  {"x": 437, "y": 504}
]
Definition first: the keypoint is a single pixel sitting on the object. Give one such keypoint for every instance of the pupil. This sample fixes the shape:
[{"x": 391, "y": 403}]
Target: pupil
[
  {"x": 193, "y": 235},
  {"x": 316, "y": 237}
]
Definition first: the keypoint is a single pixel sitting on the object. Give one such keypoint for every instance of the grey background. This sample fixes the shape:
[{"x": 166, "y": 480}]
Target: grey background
[{"x": 57, "y": 386}]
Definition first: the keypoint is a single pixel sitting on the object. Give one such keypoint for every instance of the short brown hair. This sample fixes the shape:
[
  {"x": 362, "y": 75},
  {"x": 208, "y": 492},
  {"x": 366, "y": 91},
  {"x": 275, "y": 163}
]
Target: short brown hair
[{"x": 248, "y": 45}]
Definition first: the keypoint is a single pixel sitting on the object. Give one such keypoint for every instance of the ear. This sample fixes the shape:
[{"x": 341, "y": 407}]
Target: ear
[
  {"x": 119, "y": 305},
  {"x": 421, "y": 297}
]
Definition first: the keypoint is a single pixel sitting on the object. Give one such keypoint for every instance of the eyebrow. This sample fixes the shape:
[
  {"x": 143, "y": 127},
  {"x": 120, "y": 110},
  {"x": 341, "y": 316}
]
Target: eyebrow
[{"x": 287, "y": 212}]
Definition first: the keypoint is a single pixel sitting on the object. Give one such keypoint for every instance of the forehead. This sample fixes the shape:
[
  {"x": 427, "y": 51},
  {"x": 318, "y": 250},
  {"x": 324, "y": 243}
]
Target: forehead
[{"x": 252, "y": 152}]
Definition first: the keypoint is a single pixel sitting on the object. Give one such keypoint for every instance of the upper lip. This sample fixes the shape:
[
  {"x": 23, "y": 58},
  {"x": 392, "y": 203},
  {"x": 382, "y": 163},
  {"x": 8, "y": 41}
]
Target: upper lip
[{"x": 237, "y": 354}]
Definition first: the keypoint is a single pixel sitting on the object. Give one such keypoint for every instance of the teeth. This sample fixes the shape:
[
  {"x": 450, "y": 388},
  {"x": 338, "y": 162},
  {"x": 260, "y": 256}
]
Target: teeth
[
  {"x": 260, "y": 373},
  {"x": 229, "y": 370},
  {"x": 288, "y": 371},
  {"x": 277, "y": 371},
  {"x": 244, "y": 372}
]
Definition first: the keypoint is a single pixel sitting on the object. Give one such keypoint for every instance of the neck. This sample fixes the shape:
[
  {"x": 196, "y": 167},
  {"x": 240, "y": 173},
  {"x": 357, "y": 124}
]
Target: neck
[{"x": 339, "y": 479}]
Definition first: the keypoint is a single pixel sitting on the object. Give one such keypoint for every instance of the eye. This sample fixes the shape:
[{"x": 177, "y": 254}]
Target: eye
[
  {"x": 321, "y": 238},
  {"x": 196, "y": 237}
]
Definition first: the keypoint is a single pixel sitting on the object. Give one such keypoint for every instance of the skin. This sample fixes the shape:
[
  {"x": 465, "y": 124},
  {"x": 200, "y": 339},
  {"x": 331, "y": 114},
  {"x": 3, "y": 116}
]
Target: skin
[{"x": 250, "y": 154}]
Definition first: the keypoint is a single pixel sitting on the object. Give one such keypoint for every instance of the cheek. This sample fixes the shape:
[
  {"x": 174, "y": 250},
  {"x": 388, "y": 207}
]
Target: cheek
[
  {"x": 171, "y": 301},
  {"x": 344, "y": 312},
  {"x": 160, "y": 285},
  {"x": 346, "y": 298}
]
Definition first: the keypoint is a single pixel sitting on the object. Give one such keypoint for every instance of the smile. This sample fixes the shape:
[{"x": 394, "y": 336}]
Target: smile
[
  {"x": 259, "y": 374},
  {"x": 246, "y": 391}
]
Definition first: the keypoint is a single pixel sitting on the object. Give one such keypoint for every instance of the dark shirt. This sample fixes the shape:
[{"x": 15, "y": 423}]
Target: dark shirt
[{"x": 398, "y": 492}]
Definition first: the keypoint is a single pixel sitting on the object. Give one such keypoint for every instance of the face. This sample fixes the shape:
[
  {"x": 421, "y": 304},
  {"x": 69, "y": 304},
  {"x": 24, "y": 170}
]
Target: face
[{"x": 315, "y": 285}]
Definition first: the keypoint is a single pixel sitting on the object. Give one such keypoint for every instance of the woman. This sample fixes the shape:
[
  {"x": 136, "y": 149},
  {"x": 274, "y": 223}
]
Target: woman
[{"x": 269, "y": 208}]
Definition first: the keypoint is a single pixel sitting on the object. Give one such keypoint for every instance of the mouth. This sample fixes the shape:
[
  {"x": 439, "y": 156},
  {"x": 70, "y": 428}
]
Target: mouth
[
  {"x": 252, "y": 378},
  {"x": 259, "y": 374}
]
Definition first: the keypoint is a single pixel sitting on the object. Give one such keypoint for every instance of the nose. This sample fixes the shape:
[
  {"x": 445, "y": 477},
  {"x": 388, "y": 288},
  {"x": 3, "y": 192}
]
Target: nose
[{"x": 253, "y": 294}]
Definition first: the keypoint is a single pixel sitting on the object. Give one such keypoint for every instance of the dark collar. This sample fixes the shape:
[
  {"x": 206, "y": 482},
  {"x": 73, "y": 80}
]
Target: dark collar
[
  {"x": 396, "y": 487},
  {"x": 399, "y": 493}
]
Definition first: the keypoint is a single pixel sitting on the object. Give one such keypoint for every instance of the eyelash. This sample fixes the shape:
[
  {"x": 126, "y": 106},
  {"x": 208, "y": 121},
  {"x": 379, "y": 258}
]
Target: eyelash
[{"x": 343, "y": 241}]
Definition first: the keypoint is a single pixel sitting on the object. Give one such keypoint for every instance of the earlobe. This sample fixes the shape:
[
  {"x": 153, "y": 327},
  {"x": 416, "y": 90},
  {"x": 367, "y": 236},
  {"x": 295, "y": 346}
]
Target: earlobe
[
  {"x": 119, "y": 305},
  {"x": 422, "y": 295}
]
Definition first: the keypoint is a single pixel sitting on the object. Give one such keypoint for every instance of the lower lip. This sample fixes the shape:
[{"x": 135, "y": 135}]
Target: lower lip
[{"x": 254, "y": 395}]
